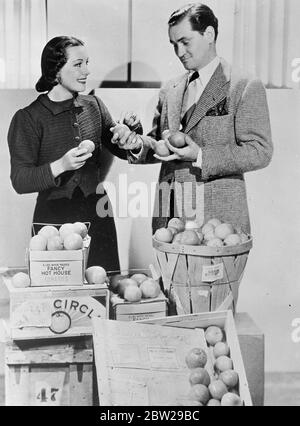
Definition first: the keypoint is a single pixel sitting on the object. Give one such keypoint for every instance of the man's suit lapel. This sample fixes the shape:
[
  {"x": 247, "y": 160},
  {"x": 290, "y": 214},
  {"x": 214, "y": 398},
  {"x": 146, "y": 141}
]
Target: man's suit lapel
[
  {"x": 175, "y": 99},
  {"x": 214, "y": 92}
]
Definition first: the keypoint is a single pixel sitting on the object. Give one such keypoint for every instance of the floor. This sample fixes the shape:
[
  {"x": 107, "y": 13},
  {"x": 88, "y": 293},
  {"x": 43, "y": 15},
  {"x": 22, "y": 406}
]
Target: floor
[{"x": 281, "y": 389}]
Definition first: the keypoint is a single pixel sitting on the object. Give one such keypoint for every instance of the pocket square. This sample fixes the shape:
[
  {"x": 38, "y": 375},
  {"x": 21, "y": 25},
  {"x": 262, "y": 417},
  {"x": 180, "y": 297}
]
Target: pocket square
[{"x": 219, "y": 109}]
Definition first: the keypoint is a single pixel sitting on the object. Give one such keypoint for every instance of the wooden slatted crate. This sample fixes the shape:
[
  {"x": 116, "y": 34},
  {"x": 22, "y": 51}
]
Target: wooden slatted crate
[
  {"x": 49, "y": 312},
  {"x": 143, "y": 363},
  {"x": 57, "y": 267},
  {"x": 145, "y": 309},
  {"x": 122, "y": 310},
  {"x": 224, "y": 320},
  {"x": 58, "y": 374},
  {"x": 201, "y": 278}
]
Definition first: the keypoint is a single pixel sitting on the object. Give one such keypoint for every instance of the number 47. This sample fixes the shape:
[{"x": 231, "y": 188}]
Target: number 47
[{"x": 46, "y": 394}]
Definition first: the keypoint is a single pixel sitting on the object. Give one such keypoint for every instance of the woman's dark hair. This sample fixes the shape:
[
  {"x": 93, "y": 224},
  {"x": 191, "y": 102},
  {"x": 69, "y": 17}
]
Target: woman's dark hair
[
  {"x": 54, "y": 57},
  {"x": 200, "y": 17}
]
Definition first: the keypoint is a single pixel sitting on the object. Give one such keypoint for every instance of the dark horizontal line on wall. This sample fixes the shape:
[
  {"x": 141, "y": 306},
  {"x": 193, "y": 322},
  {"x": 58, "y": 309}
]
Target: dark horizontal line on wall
[
  {"x": 130, "y": 85},
  {"x": 272, "y": 86}
]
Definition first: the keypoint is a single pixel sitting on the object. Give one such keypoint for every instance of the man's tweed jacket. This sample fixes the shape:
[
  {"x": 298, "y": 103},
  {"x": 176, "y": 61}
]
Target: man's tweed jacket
[{"x": 232, "y": 144}]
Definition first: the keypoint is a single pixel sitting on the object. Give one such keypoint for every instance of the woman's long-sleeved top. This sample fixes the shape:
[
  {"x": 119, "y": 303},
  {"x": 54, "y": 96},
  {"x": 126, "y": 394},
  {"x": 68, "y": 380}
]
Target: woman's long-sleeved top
[{"x": 44, "y": 131}]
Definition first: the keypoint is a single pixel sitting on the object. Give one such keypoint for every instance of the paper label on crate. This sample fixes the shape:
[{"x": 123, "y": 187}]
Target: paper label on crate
[
  {"x": 56, "y": 273},
  {"x": 161, "y": 357},
  {"x": 126, "y": 355},
  {"x": 59, "y": 314},
  {"x": 203, "y": 293},
  {"x": 79, "y": 307},
  {"x": 32, "y": 313},
  {"x": 72, "y": 311},
  {"x": 212, "y": 273}
]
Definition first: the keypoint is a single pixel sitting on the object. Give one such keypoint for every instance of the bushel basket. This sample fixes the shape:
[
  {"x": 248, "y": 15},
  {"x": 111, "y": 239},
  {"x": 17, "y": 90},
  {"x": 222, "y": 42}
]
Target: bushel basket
[{"x": 201, "y": 278}]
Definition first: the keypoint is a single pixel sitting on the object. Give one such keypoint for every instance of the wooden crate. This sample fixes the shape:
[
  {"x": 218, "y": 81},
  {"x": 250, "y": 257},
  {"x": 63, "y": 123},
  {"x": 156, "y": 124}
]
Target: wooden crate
[
  {"x": 201, "y": 278},
  {"x": 122, "y": 310},
  {"x": 224, "y": 320},
  {"x": 140, "y": 364},
  {"x": 49, "y": 312},
  {"x": 59, "y": 267},
  {"x": 60, "y": 374},
  {"x": 143, "y": 363}
]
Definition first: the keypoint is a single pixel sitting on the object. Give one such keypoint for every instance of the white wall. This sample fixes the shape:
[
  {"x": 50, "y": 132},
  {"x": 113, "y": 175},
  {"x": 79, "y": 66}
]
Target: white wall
[
  {"x": 102, "y": 25},
  {"x": 270, "y": 290},
  {"x": 107, "y": 35}
]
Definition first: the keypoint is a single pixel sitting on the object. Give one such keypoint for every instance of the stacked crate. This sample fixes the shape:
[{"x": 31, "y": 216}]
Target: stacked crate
[{"x": 49, "y": 354}]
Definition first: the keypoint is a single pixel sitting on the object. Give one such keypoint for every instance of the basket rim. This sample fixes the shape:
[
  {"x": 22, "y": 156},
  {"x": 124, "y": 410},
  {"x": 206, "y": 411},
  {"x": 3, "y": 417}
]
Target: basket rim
[{"x": 204, "y": 251}]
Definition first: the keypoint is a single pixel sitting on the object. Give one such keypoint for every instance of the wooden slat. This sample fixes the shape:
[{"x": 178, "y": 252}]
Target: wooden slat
[
  {"x": 40, "y": 375},
  {"x": 226, "y": 304},
  {"x": 81, "y": 377},
  {"x": 200, "y": 320},
  {"x": 202, "y": 250},
  {"x": 183, "y": 294},
  {"x": 172, "y": 263},
  {"x": 240, "y": 264},
  {"x": 167, "y": 263},
  {"x": 219, "y": 290},
  {"x": 200, "y": 293},
  {"x": 180, "y": 286},
  {"x": 28, "y": 352},
  {"x": 16, "y": 385},
  {"x": 181, "y": 273},
  {"x": 236, "y": 356}
]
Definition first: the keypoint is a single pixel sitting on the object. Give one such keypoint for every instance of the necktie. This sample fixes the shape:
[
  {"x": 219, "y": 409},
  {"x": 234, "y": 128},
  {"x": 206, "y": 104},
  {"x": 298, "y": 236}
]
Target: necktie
[{"x": 189, "y": 99}]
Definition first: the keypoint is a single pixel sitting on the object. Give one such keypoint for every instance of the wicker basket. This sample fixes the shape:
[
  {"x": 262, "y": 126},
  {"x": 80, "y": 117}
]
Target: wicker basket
[{"x": 200, "y": 278}]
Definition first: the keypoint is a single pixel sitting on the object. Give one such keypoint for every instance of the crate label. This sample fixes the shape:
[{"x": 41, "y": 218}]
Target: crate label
[
  {"x": 33, "y": 313},
  {"x": 160, "y": 358},
  {"x": 57, "y": 314},
  {"x": 55, "y": 273},
  {"x": 212, "y": 273},
  {"x": 203, "y": 293},
  {"x": 140, "y": 316}
]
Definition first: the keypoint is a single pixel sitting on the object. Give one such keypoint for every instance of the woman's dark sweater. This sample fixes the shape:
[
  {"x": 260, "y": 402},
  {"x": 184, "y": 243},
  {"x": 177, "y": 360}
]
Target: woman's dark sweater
[{"x": 44, "y": 131}]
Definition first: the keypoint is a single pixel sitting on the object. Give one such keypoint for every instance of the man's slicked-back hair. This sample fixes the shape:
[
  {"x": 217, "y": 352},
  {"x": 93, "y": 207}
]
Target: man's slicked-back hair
[{"x": 199, "y": 15}]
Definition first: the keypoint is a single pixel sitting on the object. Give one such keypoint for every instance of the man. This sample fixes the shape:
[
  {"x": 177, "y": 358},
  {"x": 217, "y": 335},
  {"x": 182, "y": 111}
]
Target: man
[{"x": 224, "y": 117}]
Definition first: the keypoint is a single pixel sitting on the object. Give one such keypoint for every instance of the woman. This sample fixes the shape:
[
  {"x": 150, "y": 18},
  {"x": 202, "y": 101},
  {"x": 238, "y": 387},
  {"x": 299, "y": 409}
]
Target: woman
[{"x": 43, "y": 141}]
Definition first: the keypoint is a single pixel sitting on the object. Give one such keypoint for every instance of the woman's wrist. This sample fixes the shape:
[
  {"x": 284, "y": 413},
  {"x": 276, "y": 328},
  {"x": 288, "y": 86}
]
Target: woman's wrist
[{"x": 57, "y": 168}]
